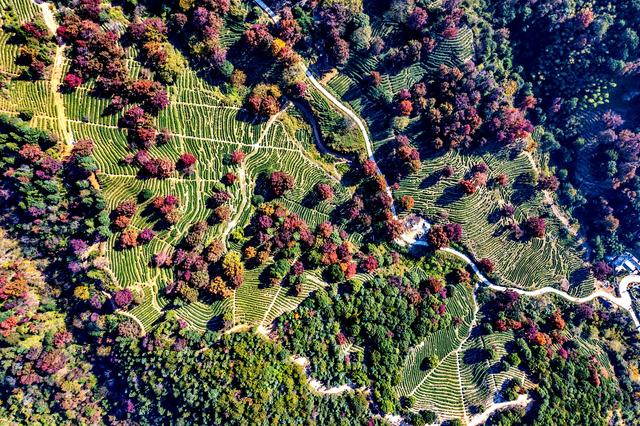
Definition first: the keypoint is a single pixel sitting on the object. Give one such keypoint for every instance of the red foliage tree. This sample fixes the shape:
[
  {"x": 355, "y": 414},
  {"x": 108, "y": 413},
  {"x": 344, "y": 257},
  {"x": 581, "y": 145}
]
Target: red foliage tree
[
  {"x": 508, "y": 210},
  {"x": 126, "y": 208},
  {"x": 340, "y": 51},
  {"x": 548, "y": 183},
  {"x": 468, "y": 186},
  {"x": 556, "y": 321},
  {"x": 299, "y": 89},
  {"x": 369, "y": 264},
  {"x": 375, "y": 78},
  {"x": 129, "y": 238},
  {"x": 31, "y": 153},
  {"x": 324, "y": 191},
  {"x": 437, "y": 237},
  {"x": 502, "y": 179},
  {"x": 229, "y": 178},
  {"x": 479, "y": 179},
  {"x": 486, "y": 265},
  {"x": 394, "y": 228},
  {"x": 218, "y": 198},
  {"x": 158, "y": 101},
  {"x": 584, "y": 18},
  {"x": 417, "y": 19},
  {"x": 535, "y": 227},
  {"x": 405, "y": 107},
  {"x": 453, "y": 231},
  {"x": 264, "y": 100},
  {"x": 462, "y": 276},
  {"x": 83, "y": 148},
  {"x": 72, "y": 81},
  {"x": 236, "y": 157},
  {"x": 121, "y": 222},
  {"x": 288, "y": 28},
  {"x": 407, "y": 154},
  {"x": 147, "y": 235},
  {"x": 222, "y": 213},
  {"x": 601, "y": 270},
  {"x": 51, "y": 362},
  {"x": 450, "y": 32},
  {"x": 123, "y": 298},
  {"x": 447, "y": 171},
  {"x": 369, "y": 168},
  {"x": 258, "y": 36},
  {"x": 434, "y": 285},
  {"x": 133, "y": 117},
  {"x": 280, "y": 183},
  {"x": 407, "y": 202},
  {"x": 160, "y": 168},
  {"x": 187, "y": 162}
]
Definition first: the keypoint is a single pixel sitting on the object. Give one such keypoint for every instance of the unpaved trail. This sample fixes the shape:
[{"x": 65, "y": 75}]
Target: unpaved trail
[
  {"x": 559, "y": 214},
  {"x": 317, "y": 386},
  {"x": 56, "y": 79},
  {"x": 48, "y": 17},
  {"x": 555, "y": 209},
  {"x": 480, "y": 419},
  {"x": 338, "y": 104}
]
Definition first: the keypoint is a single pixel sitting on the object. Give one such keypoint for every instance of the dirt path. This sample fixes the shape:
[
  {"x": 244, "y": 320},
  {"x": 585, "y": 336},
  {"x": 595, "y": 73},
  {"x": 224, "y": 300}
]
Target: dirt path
[
  {"x": 242, "y": 181},
  {"x": 317, "y": 386},
  {"x": 56, "y": 79},
  {"x": 480, "y": 419},
  {"x": 559, "y": 214},
  {"x": 556, "y": 210},
  {"x": 338, "y": 104}
]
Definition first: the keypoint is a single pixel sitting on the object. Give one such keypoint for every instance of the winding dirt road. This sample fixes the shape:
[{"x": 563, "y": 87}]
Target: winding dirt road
[{"x": 338, "y": 104}]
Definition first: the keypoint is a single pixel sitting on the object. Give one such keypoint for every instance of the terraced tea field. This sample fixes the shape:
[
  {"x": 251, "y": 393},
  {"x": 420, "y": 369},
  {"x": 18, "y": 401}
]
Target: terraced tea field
[
  {"x": 23, "y": 10},
  {"x": 463, "y": 382},
  {"x": 23, "y": 95},
  {"x": 348, "y": 84},
  {"x": 529, "y": 265},
  {"x": 202, "y": 123},
  {"x": 207, "y": 123}
]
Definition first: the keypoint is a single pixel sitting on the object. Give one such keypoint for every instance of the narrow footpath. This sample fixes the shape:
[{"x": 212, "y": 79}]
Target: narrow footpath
[{"x": 56, "y": 77}]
